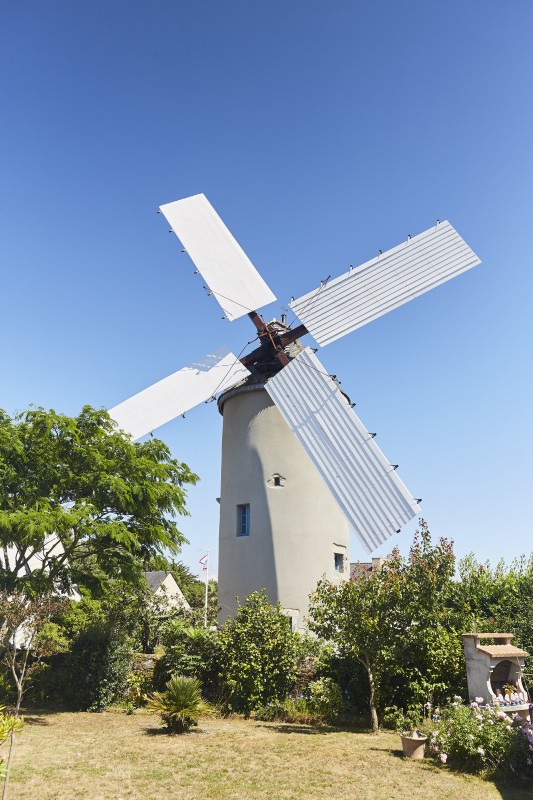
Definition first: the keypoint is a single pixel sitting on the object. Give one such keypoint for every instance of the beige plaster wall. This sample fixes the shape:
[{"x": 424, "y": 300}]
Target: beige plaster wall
[{"x": 295, "y": 528}]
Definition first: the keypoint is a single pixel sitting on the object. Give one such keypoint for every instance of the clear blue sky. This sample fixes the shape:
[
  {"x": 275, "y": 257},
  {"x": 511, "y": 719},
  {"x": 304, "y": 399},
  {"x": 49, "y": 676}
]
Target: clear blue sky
[{"x": 321, "y": 132}]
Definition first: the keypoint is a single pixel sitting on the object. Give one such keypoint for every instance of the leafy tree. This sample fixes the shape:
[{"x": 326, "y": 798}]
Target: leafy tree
[
  {"x": 108, "y": 501},
  {"x": 430, "y": 659},
  {"x": 24, "y": 644},
  {"x": 399, "y": 623},
  {"x": 361, "y": 619},
  {"x": 258, "y": 655}
]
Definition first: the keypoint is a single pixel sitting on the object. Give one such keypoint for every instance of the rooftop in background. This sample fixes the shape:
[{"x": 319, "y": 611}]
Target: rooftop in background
[{"x": 360, "y": 569}]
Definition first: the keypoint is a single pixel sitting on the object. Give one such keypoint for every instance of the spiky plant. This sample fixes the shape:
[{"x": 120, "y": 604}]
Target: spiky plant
[{"x": 181, "y": 704}]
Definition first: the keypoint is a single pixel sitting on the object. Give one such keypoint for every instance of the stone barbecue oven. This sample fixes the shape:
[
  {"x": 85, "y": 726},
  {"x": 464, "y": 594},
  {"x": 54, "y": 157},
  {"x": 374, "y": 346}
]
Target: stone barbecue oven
[{"x": 490, "y": 667}]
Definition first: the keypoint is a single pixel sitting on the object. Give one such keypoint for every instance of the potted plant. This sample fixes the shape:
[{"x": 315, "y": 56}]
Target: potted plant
[
  {"x": 413, "y": 743},
  {"x": 406, "y": 723}
]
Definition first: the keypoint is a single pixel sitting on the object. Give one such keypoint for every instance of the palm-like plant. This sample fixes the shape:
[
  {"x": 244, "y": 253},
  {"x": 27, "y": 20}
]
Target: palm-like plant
[{"x": 181, "y": 704}]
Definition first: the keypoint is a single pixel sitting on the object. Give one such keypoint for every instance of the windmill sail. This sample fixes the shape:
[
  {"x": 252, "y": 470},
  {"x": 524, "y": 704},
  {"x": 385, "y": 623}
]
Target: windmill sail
[
  {"x": 230, "y": 275},
  {"x": 384, "y": 283},
  {"x": 364, "y": 484},
  {"x": 179, "y": 392}
]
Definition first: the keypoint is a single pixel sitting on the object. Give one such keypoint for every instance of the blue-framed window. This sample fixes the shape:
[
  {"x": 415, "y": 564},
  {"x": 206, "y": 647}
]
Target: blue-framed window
[
  {"x": 243, "y": 520},
  {"x": 339, "y": 562}
]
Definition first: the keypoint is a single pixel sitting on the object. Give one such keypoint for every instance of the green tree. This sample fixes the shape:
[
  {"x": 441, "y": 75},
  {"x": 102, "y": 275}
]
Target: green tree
[
  {"x": 257, "y": 654},
  {"x": 361, "y": 619},
  {"x": 399, "y": 623},
  {"x": 430, "y": 659},
  {"x": 83, "y": 498}
]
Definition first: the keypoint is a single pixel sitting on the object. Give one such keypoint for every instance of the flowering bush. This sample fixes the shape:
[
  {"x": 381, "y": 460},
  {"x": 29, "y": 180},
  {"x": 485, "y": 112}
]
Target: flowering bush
[{"x": 483, "y": 739}]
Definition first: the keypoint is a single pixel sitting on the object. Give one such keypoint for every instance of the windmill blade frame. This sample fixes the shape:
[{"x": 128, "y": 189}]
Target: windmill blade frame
[
  {"x": 384, "y": 283},
  {"x": 365, "y": 485},
  {"x": 230, "y": 275},
  {"x": 177, "y": 393}
]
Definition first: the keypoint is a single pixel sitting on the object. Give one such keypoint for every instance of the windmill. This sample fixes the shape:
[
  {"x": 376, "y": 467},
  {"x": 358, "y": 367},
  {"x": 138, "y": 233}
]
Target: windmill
[{"x": 299, "y": 467}]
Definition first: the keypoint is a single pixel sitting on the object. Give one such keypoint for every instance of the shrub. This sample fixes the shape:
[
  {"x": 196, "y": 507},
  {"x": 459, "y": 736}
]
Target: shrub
[
  {"x": 296, "y": 710},
  {"x": 326, "y": 699},
  {"x": 258, "y": 656},
  {"x": 98, "y": 667},
  {"x": 189, "y": 651},
  {"x": 483, "y": 740},
  {"x": 180, "y": 705},
  {"x": 401, "y": 721}
]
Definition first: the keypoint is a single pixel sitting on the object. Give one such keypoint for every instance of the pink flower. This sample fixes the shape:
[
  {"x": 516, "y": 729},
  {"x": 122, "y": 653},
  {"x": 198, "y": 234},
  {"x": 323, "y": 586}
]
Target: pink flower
[
  {"x": 443, "y": 757},
  {"x": 479, "y": 699},
  {"x": 529, "y": 762}
]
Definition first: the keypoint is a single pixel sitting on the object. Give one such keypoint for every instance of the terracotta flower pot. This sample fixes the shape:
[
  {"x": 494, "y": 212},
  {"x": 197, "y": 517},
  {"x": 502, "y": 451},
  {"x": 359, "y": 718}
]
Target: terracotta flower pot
[{"x": 413, "y": 745}]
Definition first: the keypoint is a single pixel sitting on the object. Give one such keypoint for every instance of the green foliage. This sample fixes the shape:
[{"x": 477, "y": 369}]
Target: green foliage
[
  {"x": 180, "y": 705},
  {"x": 190, "y": 651},
  {"x": 9, "y": 726},
  {"x": 293, "y": 709},
  {"x": 498, "y": 599},
  {"x": 27, "y": 635},
  {"x": 138, "y": 686},
  {"x": 401, "y": 721},
  {"x": 257, "y": 656},
  {"x": 326, "y": 699},
  {"x": 399, "y": 623},
  {"x": 108, "y": 500},
  {"x": 483, "y": 740},
  {"x": 99, "y": 665}
]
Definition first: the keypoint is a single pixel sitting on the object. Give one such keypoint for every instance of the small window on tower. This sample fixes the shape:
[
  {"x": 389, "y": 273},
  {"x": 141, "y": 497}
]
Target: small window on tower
[
  {"x": 243, "y": 520},
  {"x": 339, "y": 562}
]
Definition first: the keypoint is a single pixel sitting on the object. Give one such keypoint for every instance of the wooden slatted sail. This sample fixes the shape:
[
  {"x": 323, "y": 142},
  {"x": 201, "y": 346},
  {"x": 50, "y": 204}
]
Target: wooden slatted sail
[
  {"x": 364, "y": 484},
  {"x": 177, "y": 393},
  {"x": 230, "y": 275},
  {"x": 384, "y": 283}
]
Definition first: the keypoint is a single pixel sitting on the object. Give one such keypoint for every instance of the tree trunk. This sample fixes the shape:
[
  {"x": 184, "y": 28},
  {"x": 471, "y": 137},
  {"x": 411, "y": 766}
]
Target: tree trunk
[{"x": 373, "y": 709}]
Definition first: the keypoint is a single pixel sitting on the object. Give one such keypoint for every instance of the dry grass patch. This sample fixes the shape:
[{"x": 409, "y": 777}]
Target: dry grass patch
[{"x": 113, "y": 756}]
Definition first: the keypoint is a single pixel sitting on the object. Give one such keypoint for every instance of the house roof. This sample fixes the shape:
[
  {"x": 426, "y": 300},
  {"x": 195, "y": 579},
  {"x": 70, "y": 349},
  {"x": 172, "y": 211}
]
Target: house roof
[
  {"x": 155, "y": 579},
  {"x": 502, "y": 651}
]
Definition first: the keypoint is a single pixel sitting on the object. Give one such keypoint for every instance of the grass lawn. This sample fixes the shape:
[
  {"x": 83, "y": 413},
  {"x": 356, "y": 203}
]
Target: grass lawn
[{"x": 112, "y": 756}]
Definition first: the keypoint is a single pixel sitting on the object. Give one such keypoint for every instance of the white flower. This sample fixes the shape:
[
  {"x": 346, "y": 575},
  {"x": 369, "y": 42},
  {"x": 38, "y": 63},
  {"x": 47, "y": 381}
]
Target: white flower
[
  {"x": 481, "y": 751},
  {"x": 471, "y": 737},
  {"x": 443, "y": 757},
  {"x": 479, "y": 699}
]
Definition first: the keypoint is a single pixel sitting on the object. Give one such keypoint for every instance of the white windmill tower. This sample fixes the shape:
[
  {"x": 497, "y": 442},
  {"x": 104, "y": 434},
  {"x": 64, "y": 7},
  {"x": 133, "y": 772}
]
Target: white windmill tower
[{"x": 298, "y": 466}]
